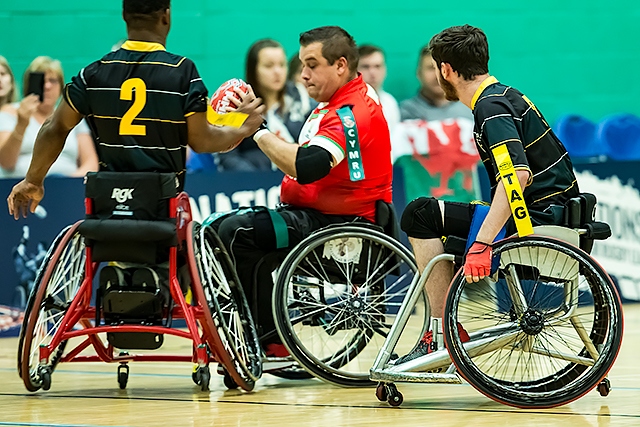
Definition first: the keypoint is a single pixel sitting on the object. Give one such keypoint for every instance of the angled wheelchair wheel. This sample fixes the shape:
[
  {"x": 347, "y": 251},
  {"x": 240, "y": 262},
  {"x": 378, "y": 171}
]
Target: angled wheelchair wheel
[
  {"x": 56, "y": 285},
  {"x": 542, "y": 335},
  {"x": 336, "y": 296},
  {"x": 232, "y": 332}
]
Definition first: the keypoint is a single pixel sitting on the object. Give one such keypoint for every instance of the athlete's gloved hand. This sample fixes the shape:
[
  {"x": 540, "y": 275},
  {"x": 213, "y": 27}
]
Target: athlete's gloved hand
[{"x": 477, "y": 264}]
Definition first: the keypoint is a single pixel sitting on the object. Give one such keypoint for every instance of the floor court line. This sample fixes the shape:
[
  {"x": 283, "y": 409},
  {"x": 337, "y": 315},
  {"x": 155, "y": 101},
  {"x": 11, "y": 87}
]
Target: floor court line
[{"x": 423, "y": 407}]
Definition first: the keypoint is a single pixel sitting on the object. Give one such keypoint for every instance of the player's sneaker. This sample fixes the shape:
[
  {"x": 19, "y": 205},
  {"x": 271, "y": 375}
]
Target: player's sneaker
[
  {"x": 276, "y": 350},
  {"x": 428, "y": 345}
]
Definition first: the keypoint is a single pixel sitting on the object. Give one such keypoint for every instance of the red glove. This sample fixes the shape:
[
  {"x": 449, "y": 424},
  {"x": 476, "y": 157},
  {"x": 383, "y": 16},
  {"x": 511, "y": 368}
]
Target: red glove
[{"x": 477, "y": 263}]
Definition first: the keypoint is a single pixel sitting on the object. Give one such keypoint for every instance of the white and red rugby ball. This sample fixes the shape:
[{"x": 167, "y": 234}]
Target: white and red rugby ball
[{"x": 221, "y": 98}]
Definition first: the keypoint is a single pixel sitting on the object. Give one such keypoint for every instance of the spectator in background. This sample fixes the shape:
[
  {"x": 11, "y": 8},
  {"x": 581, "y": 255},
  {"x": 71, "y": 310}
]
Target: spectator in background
[
  {"x": 373, "y": 68},
  {"x": 294, "y": 74},
  {"x": 430, "y": 103},
  {"x": 287, "y": 105},
  {"x": 7, "y": 83},
  {"x": 434, "y": 142},
  {"x": 21, "y": 122}
]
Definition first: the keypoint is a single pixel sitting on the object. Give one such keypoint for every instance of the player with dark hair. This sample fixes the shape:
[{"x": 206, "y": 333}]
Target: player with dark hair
[
  {"x": 144, "y": 105},
  {"x": 338, "y": 170},
  {"x": 506, "y": 121}
]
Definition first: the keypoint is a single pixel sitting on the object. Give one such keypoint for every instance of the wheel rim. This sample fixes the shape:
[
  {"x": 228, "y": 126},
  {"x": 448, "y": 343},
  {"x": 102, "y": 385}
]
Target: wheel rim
[
  {"x": 61, "y": 277},
  {"x": 341, "y": 292},
  {"x": 237, "y": 336},
  {"x": 546, "y": 363}
]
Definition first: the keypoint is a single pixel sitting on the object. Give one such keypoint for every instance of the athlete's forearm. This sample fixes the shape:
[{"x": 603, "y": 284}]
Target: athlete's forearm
[
  {"x": 282, "y": 153},
  {"x": 46, "y": 149}
]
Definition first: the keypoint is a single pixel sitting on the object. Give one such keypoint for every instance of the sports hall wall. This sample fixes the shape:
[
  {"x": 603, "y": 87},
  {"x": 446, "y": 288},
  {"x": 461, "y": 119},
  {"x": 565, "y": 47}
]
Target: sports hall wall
[{"x": 569, "y": 55}]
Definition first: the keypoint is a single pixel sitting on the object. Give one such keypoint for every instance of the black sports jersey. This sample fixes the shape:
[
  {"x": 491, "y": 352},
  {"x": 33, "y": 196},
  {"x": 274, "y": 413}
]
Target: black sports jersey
[
  {"x": 503, "y": 115},
  {"x": 136, "y": 100}
]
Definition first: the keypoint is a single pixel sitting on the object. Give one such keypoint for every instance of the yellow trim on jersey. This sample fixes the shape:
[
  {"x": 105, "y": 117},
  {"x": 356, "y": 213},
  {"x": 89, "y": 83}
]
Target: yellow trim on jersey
[
  {"x": 68, "y": 99},
  {"x": 139, "y": 46},
  {"x": 189, "y": 114},
  {"x": 140, "y": 118},
  {"x": 232, "y": 119},
  {"x": 117, "y": 61},
  {"x": 486, "y": 82},
  {"x": 556, "y": 193},
  {"x": 515, "y": 195}
]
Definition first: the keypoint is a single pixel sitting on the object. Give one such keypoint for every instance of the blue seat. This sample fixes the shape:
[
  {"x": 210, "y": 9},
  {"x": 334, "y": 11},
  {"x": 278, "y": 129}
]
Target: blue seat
[
  {"x": 578, "y": 134},
  {"x": 201, "y": 162},
  {"x": 620, "y": 133}
]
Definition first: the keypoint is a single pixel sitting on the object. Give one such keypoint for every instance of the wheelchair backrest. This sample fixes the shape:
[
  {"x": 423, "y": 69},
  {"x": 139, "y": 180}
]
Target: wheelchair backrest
[
  {"x": 129, "y": 215},
  {"x": 580, "y": 213}
]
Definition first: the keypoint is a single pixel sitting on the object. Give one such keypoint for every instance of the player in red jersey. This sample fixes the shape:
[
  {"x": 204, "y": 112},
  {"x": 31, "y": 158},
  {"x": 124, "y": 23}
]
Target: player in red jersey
[{"x": 335, "y": 174}]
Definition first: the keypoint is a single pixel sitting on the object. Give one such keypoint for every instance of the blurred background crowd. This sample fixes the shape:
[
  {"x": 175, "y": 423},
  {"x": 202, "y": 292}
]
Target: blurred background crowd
[{"x": 432, "y": 137}]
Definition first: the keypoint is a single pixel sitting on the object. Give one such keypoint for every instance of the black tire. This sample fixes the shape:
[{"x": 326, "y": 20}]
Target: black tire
[
  {"x": 234, "y": 338},
  {"x": 344, "y": 285},
  {"x": 545, "y": 363},
  {"x": 56, "y": 285}
]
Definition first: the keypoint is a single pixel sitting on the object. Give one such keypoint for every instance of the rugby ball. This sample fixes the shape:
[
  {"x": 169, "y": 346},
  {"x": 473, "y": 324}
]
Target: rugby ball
[{"x": 221, "y": 98}]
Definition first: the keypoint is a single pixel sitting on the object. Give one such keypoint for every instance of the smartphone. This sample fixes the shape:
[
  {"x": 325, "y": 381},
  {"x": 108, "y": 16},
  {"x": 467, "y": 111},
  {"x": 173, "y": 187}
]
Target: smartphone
[{"x": 36, "y": 84}]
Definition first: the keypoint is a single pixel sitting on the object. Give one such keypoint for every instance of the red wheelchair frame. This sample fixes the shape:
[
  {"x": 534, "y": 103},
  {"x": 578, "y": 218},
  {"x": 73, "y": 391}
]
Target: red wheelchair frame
[{"x": 207, "y": 344}]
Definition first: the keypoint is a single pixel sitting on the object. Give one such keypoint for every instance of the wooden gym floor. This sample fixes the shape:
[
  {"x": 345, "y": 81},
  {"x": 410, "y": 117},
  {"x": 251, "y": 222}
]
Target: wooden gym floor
[{"x": 163, "y": 395}]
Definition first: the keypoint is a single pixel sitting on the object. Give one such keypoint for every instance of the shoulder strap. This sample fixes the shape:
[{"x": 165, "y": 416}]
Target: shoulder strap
[{"x": 354, "y": 158}]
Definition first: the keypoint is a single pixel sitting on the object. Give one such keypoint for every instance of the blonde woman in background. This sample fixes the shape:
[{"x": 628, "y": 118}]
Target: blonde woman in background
[
  {"x": 7, "y": 83},
  {"x": 20, "y": 123}
]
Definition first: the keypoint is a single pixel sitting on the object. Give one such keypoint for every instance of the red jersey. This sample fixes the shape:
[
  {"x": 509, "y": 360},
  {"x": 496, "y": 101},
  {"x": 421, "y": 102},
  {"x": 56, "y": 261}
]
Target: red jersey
[{"x": 336, "y": 194}]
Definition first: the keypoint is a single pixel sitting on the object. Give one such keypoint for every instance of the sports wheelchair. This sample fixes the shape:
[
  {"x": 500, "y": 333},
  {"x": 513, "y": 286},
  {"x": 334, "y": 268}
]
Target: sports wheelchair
[
  {"x": 543, "y": 330},
  {"x": 139, "y": 244},
  {"x": 335, "y": 297}
]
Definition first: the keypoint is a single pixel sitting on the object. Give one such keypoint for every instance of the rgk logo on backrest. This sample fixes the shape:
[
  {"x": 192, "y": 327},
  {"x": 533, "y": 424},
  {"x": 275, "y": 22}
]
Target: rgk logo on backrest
[{"x": 122, "y": 194}]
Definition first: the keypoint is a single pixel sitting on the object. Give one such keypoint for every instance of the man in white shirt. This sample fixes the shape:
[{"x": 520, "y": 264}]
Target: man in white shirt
[{"x": 373, "y": 68}]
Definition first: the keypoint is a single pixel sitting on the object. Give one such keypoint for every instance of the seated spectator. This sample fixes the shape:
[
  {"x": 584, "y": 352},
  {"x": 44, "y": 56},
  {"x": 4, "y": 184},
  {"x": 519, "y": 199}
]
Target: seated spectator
[
  {"x": 434, "y": 143},
  {"x": 429, "y": 103},
  {"x": 21, "y": 122},
  {"x": 287, "y": 105},
  {"x": 294, "y": 74},
  {"x": 7, "y": 83},
  {"x": 373, "y": 68}
]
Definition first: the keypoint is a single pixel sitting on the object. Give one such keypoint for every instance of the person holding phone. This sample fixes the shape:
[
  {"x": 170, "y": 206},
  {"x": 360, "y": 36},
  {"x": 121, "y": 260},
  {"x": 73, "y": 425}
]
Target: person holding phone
[{"x": 21, "y": 122}]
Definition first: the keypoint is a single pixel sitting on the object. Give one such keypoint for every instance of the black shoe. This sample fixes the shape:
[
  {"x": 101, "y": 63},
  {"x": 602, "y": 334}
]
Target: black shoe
[{"x": 426, "y": 346}]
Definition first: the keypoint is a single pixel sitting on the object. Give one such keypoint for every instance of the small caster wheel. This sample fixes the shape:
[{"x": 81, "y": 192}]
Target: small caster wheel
[
  {"x": 194, "y": 375},
  {"x": 123, "y": 375},
  {"x": 603, "y": 388},
  {"x": 45, "y": 376},
  {"x": 229, "y": 382},
  {"x": 381, "y": 392},
  {"x": 394, "y": 396},
  {"x": 202, "y": 377}
]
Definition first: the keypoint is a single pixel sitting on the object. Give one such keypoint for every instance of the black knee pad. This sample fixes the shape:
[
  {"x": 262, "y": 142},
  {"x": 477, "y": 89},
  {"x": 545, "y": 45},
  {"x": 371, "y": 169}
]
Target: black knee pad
[{"x": 422, "y": 219}]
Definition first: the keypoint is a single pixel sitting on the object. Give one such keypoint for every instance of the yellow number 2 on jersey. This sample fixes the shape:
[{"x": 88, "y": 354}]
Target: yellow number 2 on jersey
[{"x": 126, "y": 94}]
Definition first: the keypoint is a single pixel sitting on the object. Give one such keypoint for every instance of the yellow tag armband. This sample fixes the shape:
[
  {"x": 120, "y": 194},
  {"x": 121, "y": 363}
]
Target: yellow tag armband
[
  {"x": 232, "y": 118},
  {"x": 515, "y": 194}
]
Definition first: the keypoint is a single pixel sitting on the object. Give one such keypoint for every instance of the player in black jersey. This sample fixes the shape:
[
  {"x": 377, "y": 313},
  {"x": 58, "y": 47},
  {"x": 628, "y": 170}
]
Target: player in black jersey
[
  {"x": 143, "y": 104},
  {"x": 506, "y": 121}
]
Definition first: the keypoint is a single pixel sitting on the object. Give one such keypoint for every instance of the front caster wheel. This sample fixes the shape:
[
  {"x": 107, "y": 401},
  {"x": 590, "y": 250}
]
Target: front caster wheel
[
  {"x": 604, "y": 387},
  {"x": 123, "y": 376},
  {"x": 394, "y": 397},
  {"x": 202, "y": 377},
  {"x": 45, "y": 376},
  {"x": 381, "y": 392}
]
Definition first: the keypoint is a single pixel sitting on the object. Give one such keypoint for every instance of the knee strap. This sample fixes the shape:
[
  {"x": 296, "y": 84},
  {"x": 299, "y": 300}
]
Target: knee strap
[
  {"x": 422, "y": 219},
  {"x": 270, "y": 229}
]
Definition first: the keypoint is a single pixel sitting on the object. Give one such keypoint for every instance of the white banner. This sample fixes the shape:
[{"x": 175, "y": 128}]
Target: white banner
[{"x": 618, "y": 206}]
